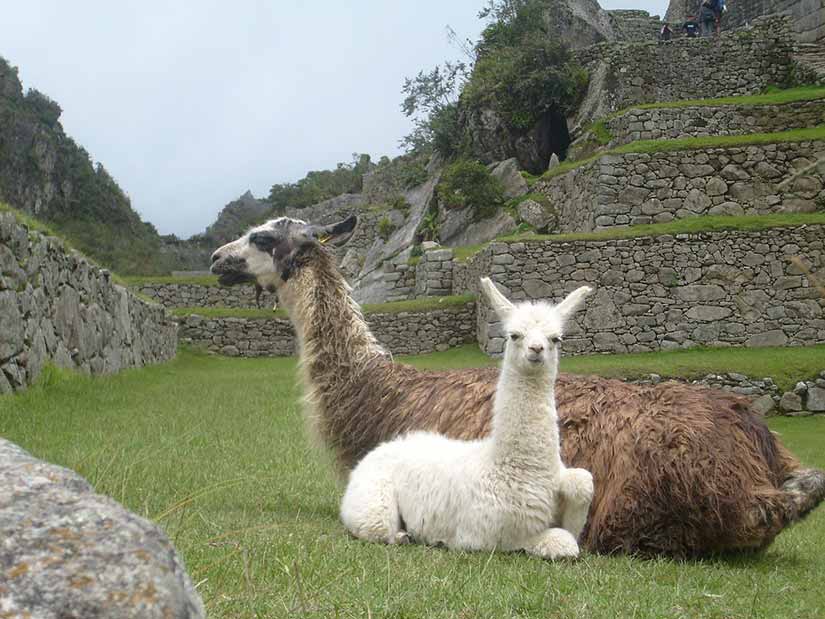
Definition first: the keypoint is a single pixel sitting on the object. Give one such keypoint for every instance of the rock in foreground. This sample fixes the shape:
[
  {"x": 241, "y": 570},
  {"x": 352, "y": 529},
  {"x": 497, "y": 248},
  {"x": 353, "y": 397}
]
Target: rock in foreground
[{"x": 68, "y": 552}]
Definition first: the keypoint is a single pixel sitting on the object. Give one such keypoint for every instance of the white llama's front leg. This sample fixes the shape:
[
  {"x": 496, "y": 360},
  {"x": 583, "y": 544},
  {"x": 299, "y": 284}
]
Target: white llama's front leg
[
  {"x": 576, "y": 490},
  {"x": 370, "y": 512},
  {"x": 554, "y": 544}
]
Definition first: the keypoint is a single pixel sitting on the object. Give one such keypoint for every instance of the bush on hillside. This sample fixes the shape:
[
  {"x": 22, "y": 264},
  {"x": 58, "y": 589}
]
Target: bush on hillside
[{"x": 468, "y": 183}]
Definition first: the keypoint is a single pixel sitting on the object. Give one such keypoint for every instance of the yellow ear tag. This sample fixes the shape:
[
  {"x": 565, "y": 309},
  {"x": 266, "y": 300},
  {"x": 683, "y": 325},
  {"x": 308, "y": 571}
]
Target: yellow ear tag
[{"x": 323, "y": 240}]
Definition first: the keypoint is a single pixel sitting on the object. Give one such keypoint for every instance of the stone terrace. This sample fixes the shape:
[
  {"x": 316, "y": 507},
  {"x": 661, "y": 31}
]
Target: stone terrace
[
  {"x": 641, "y": 188},
  {"x": 661, "y": 293},
  {"x": 709, "y": 120}
]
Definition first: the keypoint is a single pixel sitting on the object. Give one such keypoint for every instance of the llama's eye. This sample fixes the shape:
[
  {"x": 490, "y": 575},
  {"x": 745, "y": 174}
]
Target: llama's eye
[
  {"x": 515, "y": 336},
  {"x": 556, "y": 340}
]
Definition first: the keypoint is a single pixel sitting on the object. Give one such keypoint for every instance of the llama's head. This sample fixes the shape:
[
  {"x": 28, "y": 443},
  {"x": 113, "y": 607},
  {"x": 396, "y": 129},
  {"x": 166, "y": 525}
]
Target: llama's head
[
  {"x": 266, "y": 254},
  {"x": 533, "y": 330}
]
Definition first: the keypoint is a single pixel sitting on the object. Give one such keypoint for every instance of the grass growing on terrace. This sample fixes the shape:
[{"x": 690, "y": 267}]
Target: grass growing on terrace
[
  {"x": 774, "y": 97},
  {"x": 697, "y": 143},
  {"x": 690, "y": 225},
  {"x": 214, "y": 450},
  {"x": 784, "y": 364},
  {"x": 196, "y": 280}
]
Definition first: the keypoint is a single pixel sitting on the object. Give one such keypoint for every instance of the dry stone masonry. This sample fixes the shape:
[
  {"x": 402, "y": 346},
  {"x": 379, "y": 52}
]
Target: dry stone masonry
[
  {"x": 744, "y": 62},
  {"x": 641, "y": 188},
  {"x": 199, "y": 295},
  {"x": 402, "y": 333},
  {"x": 56, "y": 307},
  {"x": 710, "y": 120},
  {"x": 668, "y": 292}
]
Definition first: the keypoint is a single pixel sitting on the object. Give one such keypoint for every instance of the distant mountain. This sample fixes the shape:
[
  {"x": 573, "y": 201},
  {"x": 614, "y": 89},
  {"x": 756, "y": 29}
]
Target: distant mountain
[
  {"x": 236, "y": 217},
  {"x": 44, "y": 173}
]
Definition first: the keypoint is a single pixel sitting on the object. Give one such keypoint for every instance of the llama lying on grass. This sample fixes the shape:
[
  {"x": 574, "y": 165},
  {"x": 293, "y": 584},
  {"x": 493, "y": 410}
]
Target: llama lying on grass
[
  {"x": 507, "y": 492},
  {"x": 682, "y": 471}
]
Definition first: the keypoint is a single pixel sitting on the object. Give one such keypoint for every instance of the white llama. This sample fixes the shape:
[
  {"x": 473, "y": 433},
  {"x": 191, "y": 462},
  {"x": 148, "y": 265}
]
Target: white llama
[{"x": 507, "y": 492}]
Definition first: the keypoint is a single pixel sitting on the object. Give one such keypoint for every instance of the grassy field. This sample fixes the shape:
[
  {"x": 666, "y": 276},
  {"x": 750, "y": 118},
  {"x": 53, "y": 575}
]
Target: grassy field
[{"x": 214, "y": 450}]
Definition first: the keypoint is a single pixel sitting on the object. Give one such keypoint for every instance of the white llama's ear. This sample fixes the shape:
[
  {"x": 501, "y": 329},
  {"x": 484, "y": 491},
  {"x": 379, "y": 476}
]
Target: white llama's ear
[
  {"x": 498, "y": 301},
  {"x": 572, "y": 302}
]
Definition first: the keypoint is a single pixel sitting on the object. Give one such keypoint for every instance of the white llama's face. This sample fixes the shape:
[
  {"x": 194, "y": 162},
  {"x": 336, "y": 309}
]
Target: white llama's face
[
  {"x": 264, "y": 254},
  {"x": 534, "y": 331}
]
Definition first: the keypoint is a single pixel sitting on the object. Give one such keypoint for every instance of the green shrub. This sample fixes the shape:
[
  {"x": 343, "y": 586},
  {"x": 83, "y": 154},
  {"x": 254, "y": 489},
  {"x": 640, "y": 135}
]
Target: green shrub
[
  {"x": 385, "y": 228},
  {"x": 399, "y": 203},
  {"x": 468, "y": 183}
]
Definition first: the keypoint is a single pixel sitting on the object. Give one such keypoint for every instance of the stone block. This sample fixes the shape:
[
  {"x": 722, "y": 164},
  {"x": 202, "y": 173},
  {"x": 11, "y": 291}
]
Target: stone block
[
  {"x": 80, "y": 554},
  {"x": 790, "y": 402}
]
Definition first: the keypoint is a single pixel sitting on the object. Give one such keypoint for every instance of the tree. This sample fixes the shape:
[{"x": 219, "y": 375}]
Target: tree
[{"x": 432, "y": 101}]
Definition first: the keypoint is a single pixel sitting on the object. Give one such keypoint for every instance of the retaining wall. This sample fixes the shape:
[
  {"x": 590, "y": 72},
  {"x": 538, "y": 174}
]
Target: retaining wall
[
  {"x": 667, "y": 292},
  {"x": 639, "y": 188},
  {"x": 55, "y": 306},
  {"x": 736, "y": 63},
  {"x": 403, "y": 333},
  {"x": 198, "y": 295},
  {"x": 701, "y": 121}
]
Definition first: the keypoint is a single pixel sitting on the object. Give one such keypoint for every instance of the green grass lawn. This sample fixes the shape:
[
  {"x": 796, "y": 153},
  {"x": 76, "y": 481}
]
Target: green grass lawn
[{"x": 214, "y": 450}]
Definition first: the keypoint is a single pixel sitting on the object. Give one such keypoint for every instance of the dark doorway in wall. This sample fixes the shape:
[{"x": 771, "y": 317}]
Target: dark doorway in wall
[{"x": 552, "y": 137}]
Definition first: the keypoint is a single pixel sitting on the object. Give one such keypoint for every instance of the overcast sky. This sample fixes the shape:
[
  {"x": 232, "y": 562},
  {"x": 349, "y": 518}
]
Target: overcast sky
[{"x": 190, "y": 103}]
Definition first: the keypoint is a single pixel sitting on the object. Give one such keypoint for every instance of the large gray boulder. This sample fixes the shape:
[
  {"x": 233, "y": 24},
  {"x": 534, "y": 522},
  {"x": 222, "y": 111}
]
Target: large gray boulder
[
  {"x": 68, "y": 552},
  {"x": 579, "y": 23},
  {"x": 509, "y": 174}
]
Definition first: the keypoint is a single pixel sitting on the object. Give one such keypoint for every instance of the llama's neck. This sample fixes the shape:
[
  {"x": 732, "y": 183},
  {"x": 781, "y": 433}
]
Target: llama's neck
[
  {"x": 525, "y": 422},
  {"x": 335, "y": 343}
]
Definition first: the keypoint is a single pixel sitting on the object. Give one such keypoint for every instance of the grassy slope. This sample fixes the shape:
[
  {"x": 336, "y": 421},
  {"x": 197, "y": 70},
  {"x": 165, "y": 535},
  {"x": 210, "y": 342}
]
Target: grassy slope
[{"x": 214, "y": 450}]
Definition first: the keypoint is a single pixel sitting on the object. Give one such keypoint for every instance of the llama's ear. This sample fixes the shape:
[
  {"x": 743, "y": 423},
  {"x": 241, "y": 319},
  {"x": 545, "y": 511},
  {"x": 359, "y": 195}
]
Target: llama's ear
[
  {"x": 572, "y": 302},
  {"x": 498, "y": 301},
  {"x": 334, "y": 234}
]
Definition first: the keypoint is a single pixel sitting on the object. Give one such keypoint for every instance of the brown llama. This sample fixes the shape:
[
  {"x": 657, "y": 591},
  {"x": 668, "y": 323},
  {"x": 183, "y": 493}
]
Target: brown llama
[{"x": 678, "y": 470}]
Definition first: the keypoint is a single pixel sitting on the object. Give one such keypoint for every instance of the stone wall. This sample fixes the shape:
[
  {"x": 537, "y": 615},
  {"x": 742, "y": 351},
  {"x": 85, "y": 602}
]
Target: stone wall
[
  {"x": 807, "y": 17},
  {"x": 639, "y": 188},
  {"x": 635, "y": 25},
  {"x": 701, "y": 121},
  {"x": 402, "y": 333},
  {"x": 57, "y": 307},
  {"x": 399, "y": 279},
  {"x": 434, "y": 274},
  {"x": 737, "y": 63},
  {"x": 198, "y": 295},
  {"x": 662, "y": 293}
]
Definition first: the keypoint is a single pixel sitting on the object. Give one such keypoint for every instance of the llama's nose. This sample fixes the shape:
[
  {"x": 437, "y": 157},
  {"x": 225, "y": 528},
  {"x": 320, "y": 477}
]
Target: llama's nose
[{"x": 536, "y": 348}]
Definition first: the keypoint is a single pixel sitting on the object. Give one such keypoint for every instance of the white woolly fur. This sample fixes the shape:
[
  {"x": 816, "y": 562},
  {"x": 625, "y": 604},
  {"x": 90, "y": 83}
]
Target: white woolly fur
[{"x": 508, "y": 492}]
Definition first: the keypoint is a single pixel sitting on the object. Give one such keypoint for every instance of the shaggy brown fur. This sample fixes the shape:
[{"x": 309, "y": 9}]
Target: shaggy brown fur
[{"x": 678, "y": 470}]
